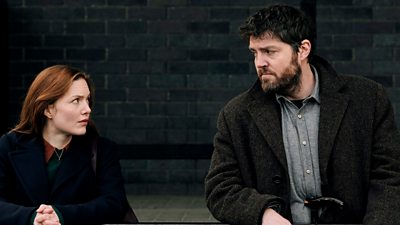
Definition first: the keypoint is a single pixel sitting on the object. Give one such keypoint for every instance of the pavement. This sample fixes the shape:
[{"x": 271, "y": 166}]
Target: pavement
[{"x": 171, "y": 209}]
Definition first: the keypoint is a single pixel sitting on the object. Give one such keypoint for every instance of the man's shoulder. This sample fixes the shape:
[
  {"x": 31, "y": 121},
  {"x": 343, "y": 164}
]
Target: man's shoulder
[
  {"x": 357, "y": 83},
  {"x": 239, "y": 102}
]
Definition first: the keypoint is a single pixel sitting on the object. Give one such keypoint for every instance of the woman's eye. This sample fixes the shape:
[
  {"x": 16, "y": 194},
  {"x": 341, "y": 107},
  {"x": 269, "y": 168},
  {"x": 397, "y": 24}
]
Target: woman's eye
[{"x": 75, "y": 100}]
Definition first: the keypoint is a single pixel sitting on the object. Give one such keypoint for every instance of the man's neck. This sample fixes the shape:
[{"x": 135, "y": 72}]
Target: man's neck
[{"x": 307, "y": 83}]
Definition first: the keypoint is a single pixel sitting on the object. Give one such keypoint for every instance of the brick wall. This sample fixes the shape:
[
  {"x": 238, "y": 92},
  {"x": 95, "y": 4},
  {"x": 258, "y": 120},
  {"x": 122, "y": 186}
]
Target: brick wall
[
  {"x": 363, "y": 37},
  {"x": 164, "y": 68}
]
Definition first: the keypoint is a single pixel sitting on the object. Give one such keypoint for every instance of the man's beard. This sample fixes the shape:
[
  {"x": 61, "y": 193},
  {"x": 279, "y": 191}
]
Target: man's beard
[{"x": 288, "y": 83}]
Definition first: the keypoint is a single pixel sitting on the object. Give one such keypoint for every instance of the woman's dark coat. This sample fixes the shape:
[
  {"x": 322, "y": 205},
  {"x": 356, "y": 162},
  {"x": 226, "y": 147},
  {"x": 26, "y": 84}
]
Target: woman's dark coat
[{"x": 81, "y": 195}]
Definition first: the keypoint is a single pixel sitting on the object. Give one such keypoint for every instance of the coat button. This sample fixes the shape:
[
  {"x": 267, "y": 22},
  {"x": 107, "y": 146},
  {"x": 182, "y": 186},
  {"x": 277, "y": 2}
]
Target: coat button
[{"x": 277, "y": 179}]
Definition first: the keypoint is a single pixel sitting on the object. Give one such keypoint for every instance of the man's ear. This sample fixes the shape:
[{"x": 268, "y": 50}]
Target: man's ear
[{"x": 304, "y": 49}]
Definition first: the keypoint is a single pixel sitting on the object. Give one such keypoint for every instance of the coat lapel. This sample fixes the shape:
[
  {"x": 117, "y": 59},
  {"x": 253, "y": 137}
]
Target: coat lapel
[
  {"x": 28, "y": 162},
  {"x": 265, "y": 112},
  {"x": 332, "y": 109}
]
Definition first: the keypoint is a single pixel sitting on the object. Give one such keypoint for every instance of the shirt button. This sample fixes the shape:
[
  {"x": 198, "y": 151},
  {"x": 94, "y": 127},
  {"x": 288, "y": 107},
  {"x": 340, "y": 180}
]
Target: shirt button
[
  {"x": 299, "y": 116},
  {"x": 304, "y": 142},
  {"x": 308, "y": 171}
]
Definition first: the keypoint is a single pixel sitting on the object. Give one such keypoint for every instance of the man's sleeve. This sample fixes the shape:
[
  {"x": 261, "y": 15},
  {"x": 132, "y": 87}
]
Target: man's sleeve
[{"x": 228, "y": 198}]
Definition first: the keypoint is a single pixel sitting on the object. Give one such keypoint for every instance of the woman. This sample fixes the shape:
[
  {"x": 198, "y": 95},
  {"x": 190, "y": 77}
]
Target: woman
[{"x": 46, "y": 171}]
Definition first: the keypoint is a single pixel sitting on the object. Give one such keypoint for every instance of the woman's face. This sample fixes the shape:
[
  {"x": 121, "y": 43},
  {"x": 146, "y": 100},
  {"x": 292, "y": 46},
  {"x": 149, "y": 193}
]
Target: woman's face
[{"x": 69, "y": 115}]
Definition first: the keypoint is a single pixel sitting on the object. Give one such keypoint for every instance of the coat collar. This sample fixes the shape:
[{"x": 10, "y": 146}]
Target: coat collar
[
  {"x": 265, "y": 111},
  {"x": 30, "y": 166}
]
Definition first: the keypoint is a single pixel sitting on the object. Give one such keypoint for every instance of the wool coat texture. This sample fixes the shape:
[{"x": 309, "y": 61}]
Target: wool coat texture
[
  {"x": 82, "y": 195},
  {"x": 359, "y": 154}
]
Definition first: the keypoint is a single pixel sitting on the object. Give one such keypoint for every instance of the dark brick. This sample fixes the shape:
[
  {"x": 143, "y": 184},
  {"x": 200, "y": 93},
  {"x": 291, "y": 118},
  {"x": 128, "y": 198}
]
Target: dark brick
[
  {"x": 127, "y": 81},
  {"x": 148, "y": 94},
  {"x": 15, "y": 54},
  {"x": 176, "y": 136},
  {"x": 241, "y": 54},
  {"x": 126, "y": 109},
  {"x": 387, "y": 40},
  {"x": 33, "y": 13},
  {"x": 226, "y": 41},
  {"x": 262, "y": 3},
  {"x": 205, "y": 109},
  {"x": 188, "y": 67},
  {"x": 336, "y": 53},
  {"x": 44, "y": 54},
  {"x": 188, "y": 13},
  {"x": 386, "y": 13},
  {"x": 126, "y": 27},
  {"x": 146, "y": 122},
  {"x": 189, "y": 41},
  {"x": 63, "y": 13},
  {"x": 104, "y": 95},
  {"x": 183, "y": 95},
  {"x": 209, "y": 3},
  {"x": 145, "y": 41},
  {"x": 107, "y": 67},
  {"x": 167, "y": 3},
  {"x": 168, "y": 108},
  {"x": 85, "y": 27},
  {"x": 207, "y": 80},
  {"x": 167, "y": 27},
  {"x": 26, "y": 27},
  {"x": 106, "y": 13},
  {"x": 244, "y": 81},
  {"x": 335, "y": 2},
  {"x": 85, "y": 2},
  {"x": 167, "y": 54},
  {"x": 86, "y": 54},
  {"x": 147, "y": 13},
  {"x": 228, "y": 13},
  {"x": 43, "y": 3},
  {"x": 324, "y": 40},
  {"x": 209, "y": 54},
  {"x": 334, "y": 27},
  {"x": 385, "y": 67},
  {"x": 352, "y": 40},
  {"x": 104, "y": 41},
  {"x": 167, "y": 81},
  {"x": 353, "y": 13},
  {"x": 177, "y": 122},
  {"x": 63, "y": 41},
  {"x": 229, "y": 68},
  {"x": 373, "y": 2},
  {"x": 208, "y": 27},
  {"x": 216, "y": 95},
  {"x": 152, "y": 67},
  {"x": 368, "y": 53},
  {"x": 126, "y": 2},
  {"x": 373, "y": 27},
  {"x": 25, "y": 41},
  {"x": 117, "y": 54},
  {"x": 357, "y": 67}
]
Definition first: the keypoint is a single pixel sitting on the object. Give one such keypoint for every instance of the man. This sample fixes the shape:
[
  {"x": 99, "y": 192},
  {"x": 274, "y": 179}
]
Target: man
[{"x": 304, "y": 144}]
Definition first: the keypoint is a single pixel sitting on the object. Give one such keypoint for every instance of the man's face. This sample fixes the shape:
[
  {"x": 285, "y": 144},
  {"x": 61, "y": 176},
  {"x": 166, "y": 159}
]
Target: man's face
[{"x": 278, "y": 67}]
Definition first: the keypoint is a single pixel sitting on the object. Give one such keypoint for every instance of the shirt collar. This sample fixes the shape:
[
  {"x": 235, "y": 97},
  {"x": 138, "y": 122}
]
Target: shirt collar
[{"x": 314, "y": 94}]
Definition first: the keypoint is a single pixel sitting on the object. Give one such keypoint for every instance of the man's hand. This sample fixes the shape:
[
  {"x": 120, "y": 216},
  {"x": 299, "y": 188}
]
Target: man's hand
[
  {"x": 46, "y": 216},
  {"x": 271, "y": 217}
]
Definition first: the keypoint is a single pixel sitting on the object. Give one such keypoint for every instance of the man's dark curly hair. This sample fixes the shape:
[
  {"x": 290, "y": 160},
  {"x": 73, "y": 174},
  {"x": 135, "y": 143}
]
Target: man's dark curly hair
[{"x": 284, "y": 22}]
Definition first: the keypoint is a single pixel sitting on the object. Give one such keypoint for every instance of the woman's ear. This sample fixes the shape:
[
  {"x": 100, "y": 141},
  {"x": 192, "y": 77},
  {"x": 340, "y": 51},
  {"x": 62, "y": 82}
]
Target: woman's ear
[
  {"x": 48, "y": 111},
  {"x": 304, "y": 49}
]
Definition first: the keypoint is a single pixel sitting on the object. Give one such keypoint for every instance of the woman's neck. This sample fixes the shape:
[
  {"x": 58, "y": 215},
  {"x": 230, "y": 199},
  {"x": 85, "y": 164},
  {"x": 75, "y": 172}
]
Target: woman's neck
[{"x": 57, "y": 140}]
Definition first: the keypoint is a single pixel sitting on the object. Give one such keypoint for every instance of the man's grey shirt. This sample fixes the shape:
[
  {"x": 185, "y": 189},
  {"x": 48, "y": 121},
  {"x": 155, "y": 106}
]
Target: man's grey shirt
[{"x": 300, "y": 138}]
